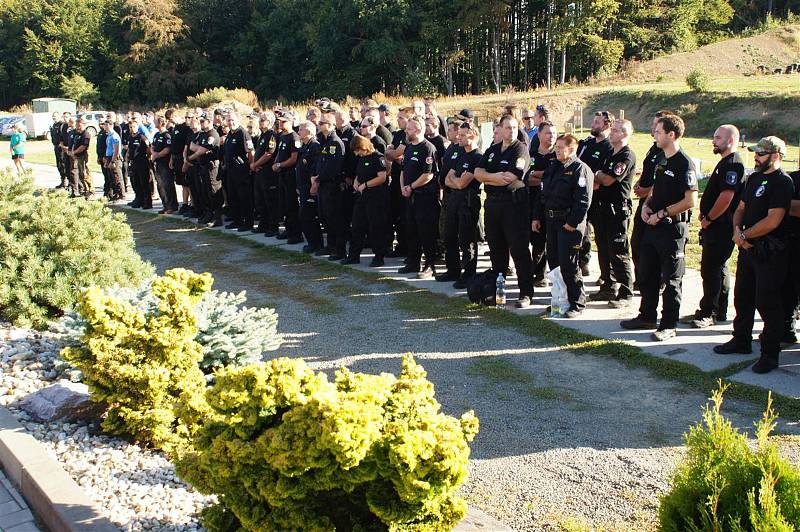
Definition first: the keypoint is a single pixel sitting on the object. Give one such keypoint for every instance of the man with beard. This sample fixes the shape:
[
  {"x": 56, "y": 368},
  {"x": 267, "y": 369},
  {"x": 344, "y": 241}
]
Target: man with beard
[
  {"x": 667, "y": 212},
  {"x": 594, "y": 150},
  {"x": 717, "y": 206},
  {"x": 759, "y": 229}
]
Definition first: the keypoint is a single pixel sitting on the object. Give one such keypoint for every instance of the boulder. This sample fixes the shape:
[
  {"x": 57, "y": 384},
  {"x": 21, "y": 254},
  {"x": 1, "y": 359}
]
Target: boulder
[{"x": 65, "y": 400}]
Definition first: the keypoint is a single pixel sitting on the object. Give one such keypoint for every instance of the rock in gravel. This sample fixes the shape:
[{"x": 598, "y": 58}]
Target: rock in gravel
[{"x": 64, "y": 400}]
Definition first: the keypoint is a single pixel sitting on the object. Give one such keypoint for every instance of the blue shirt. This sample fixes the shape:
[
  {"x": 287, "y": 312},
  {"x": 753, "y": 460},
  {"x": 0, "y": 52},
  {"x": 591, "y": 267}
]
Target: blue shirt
[
  {"x": 112, "y": 140},
  {"x": 533, "y": 132},
  {"x": 18, "y": 143},
  {"x": 148, "y": 131}
]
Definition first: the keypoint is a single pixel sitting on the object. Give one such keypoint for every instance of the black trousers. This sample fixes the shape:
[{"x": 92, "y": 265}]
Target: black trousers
[
  {"x": 240, "y": 194},
  {"x": 125, "y": 168},
  {"x": 791, "y": 287},
  {"x": 266, "y": 199},
  {"x": 309, "y": 221},
  {"x": 211, "y": 188},
  {"x": 613, "y": 249},
  {"x": 397, "y": 218},
  {"x": 636, "y": 239},
  {"x": 60, "y": 164},
  {"x": 165, "y": 182},
  {"x": 331, "y": 210},
  {"x": 563, "y": 250},
  {"x": 195, "y": 183},
  {"x": 422, "y": 227},
  {"x": 370, "y": 216},
  {"x": 585, "y": 254},
  {"x": 758, "y": 287},
  {"x": 508, "y": 228},
  {"x": 141, "y": 183},
  {"x": 461, "y": 232},
  {"x": 177, "y": 170},
  {"x": 662, "y": 260},
  {"x": 714, "y": 271},
  {"x": 290, "y": 206}
]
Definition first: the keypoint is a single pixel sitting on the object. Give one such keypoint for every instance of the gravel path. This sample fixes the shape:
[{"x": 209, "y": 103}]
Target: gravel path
[{"x": 564, "y": 439}]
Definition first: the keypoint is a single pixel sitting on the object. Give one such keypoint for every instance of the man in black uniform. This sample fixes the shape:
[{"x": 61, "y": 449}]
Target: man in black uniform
[
  {"x": 717, "y": 205},
  {"x": 760, "y": 232},
  {"x": 667, "y": 212},
  {"x": 612, "y": 213},
  {"x": 368, "y": 130},
  {"x": 79, "y": 152},
  {"x": 65, "y": 132},
  {"x": 421, "y": 190},
  {"x": 541, "y": 159},
  {"x": 285, "y": 160},
  {"x": 100, "y": 150},
  {"x": 565, "y": 198},
  {"x": 347, "y": 133},
  {"x": 593, "y": 150},
  {"x": 329, "y": 177},
  {"x": 238, "y": 155},
  {"x": 161, "y": 154},
  {"x": 394, "y": 158},
  {"x": 138, "y": 150},
  {"x": 791, "y": 291},
  {"x": 507, "y": 208},
  {"x": 439, "y": 142},
  {"x": 463, "y": 209},
  {"x": 641, "y": 190},
  {"x": 192, "y": 170},
  {"x": 265, "y": 186},
  {"x": 206, "y": 156},
  {"x": 180, "y": 132},
  {"x": 380, "y": 130},
  {"x": 305, "y": 169},
  {"x": 125, "y": 136},
  {"x": 55, "y": 138}
]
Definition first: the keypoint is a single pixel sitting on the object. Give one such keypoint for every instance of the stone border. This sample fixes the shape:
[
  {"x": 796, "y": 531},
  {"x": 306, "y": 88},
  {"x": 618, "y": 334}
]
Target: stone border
[{"x": 55, "y": 499}]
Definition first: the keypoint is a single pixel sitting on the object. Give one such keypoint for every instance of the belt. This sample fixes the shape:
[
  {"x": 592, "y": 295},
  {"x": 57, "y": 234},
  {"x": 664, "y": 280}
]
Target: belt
[{"x": 551, "y": 213}]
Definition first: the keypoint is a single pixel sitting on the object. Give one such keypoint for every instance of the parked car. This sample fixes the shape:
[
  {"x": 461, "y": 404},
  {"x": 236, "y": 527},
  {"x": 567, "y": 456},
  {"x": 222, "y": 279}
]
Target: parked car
[
  {"x": 93, "y": 119},
  {"x": 10, "y": 123}
]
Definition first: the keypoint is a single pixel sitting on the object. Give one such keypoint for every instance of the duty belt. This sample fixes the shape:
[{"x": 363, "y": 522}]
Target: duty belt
[{"x": 551, "y": 213}]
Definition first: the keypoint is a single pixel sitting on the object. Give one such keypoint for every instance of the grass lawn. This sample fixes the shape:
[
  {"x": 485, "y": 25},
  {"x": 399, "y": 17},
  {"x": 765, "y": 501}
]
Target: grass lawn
[{"x": 41, "y": 152}]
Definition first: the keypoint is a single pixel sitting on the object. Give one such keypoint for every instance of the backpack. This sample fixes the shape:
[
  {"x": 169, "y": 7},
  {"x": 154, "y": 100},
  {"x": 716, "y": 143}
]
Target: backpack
[{"x": 482, "y": 288}]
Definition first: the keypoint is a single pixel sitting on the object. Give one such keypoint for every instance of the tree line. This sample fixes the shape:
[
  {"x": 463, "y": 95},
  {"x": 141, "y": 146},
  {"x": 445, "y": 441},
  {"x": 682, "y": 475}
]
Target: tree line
[{"x": 120, "y": 52}]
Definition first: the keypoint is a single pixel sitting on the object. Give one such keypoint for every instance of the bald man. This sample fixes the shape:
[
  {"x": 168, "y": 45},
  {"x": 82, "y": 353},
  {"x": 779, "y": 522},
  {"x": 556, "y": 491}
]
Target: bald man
[{"x": 717, "y": 205}]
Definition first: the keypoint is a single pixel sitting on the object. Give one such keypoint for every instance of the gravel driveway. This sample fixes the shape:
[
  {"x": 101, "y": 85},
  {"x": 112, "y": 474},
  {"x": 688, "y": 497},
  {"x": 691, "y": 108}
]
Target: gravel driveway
[{"x": 565, "y": 441}]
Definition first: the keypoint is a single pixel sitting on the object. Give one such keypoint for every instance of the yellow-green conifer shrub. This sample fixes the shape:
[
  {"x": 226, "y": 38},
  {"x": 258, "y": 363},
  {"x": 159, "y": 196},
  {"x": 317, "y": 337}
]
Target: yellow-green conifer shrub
[
  {"x": 724, "y": 485},
  {"x": 145, "y": 366},
  {"x": 286, "y": 449}
]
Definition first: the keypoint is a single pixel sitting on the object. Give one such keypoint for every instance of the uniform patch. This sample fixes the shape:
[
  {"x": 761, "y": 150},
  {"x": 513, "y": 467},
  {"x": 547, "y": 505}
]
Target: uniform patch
[
  {"x": 491, "y": 156},
  {"x": 272, "y": 143},
  {"x": 520, "y": 163},
  {"x": 297, "y": 144},
  {"x": 383, "y": 162},
  {"x": 582, "y": 182},
  {"x": 210, "y": 140},
  {"x": 620, "y": 168},
  {"x": 760, "y": 191},
  {"x": 429, "y": 160},
  {"x": 731, "y": 178},
  {"x": 249, "y": 145},
  {"x": 691, "y": 178}
]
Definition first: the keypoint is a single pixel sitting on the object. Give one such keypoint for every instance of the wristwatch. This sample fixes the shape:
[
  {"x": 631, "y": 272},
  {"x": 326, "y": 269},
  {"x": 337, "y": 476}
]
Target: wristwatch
[{"x": 742, "y": 236}]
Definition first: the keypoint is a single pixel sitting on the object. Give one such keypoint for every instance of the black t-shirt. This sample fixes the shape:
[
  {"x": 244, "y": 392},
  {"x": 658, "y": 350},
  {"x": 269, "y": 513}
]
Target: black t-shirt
[
  {"x": 238, "y": 143},
  {"x": 399, "y": 142},
  {"x": 419, "y": 159},
  {"x": 673, "y": 177},
  {"x": 438, "y": 143},
  {"x": 621, "y": 166},
  {"x": 81, "y": 139},
  {"x": 307, "y": 157},
  {"x": 266, "y": 142},
  {"x": 369, "y": 166},
  {"x": 65, "y": 133},
  {"x": 533, "y": 145},
  {"x": 125, "y": 135},
  {"x": 161, "y": 141},
  {"x": 727, "y": 175},
  {"x": 137, "y": 148},
  {"x": 651, "y": 160},
  {"x": 288, "y": 143},
  {"x": 100, "y": 145},
  {"x": 539, "y": 162},
  {"x": 594, "y": 153},
  {"x": 379, "y": 144},
  {"x": 514, "y": 159},
  {"x": 449, "y": 160},
  {"x": 55, "y": 133},
  {"x": 764, "y": 192},
  {"x": 181, "y": 133},
  {"x": 467, "y": 162},
  {"x": 210, "y": 141},
  {"x": 793, "y": 222}
]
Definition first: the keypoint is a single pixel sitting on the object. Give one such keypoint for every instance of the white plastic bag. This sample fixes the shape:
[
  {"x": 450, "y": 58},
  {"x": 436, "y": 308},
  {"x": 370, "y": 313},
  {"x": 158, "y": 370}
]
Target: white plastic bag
[{"x": 559, "y": 301}]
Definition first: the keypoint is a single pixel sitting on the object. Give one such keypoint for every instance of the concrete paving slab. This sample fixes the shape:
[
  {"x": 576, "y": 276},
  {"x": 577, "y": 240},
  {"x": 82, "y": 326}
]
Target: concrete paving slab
[{"x": 693, "y": 346}]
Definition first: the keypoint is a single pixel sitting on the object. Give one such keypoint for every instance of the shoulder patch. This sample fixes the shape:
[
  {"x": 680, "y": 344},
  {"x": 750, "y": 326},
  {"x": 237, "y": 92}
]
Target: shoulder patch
[
  {"x": 249, "y": 145},
  {"x": 620, "y": 168},
  {"x": 297, "y": 144},
  {"x": 429, "y": 160},
  {"x": 383, "y": 162},
  {"x": 691, "y": 178},
  {"x": 731, "y": 178},
  {"x": 582, "y": 182},
  {"x": 520, "y": 163}
]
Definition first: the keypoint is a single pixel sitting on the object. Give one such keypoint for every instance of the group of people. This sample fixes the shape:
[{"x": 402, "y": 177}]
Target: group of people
[{"x": 409, "y": 185}]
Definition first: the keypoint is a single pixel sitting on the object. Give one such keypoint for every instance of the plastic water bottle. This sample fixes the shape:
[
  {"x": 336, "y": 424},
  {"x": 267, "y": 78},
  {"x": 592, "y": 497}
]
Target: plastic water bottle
[{"x": 500, "y": 292}]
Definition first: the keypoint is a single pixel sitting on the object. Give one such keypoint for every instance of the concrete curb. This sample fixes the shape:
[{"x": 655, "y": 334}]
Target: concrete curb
[{"x": 55, "y": 499}]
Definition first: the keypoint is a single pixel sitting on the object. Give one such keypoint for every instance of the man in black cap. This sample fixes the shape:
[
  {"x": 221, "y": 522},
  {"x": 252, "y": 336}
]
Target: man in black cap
[
  {"x": 386, "y": 117},
  {"x": 138, "y": 151},
  {"x": 465, "y": 115},
  {"x": 55, "y": 138},
  {"x": 238, "y": 155},
  {"x": 160, "y": 154},
  {"x": 285, "y": 160}
]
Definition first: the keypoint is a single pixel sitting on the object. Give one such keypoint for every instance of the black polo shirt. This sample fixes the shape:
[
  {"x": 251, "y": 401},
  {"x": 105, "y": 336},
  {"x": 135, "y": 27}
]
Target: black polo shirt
[
  {"x": 288, "y": 143},
  {"x": 622, "y": 167},
  {"x": 379, "y": 144},
  {"x": 673, "y": 177},
  {"x": 539, "y": 162},
  {"x": 100, "y": 145},
  {"x": 137, "y": 148},
  {"x": 467, "y": 162},
  {"x": 764, "y": 192},
  {"x": 514, "y": 159},
  {"x": 55, "y": 133},
  {"x": 651, "y": 160},
  {"x": 399, "y": 142},
  {"x": 181, "y": 133},
  {"x": 449, "y": 160},
  {"x": 728, "y": 174},
  {"x": 238, "y": 143},
  {"x": 419, "y": 159},
  {"x": 210, "y": 141},
  {"x": 160, "y": 142}
]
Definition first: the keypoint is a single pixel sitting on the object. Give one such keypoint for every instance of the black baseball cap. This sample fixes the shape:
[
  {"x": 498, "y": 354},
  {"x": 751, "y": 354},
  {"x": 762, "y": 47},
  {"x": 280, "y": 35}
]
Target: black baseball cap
[{"x": 465, "y": 114}]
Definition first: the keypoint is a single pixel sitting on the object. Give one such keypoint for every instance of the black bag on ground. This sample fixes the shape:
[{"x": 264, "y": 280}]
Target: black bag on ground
[{"x": 481, "y": 288}]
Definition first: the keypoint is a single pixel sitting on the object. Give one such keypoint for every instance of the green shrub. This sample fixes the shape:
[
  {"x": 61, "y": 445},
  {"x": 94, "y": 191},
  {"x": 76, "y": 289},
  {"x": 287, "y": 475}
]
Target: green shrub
[
  {"x": 144, "y": 365},
  {"x": 725, "y": 485},
  {"x": 698, "y": 80},
  {"x": 216, "y": 95},
  {"x": 52, "y": 246},
  {"x": 285, "y": 449},
  {"x": 230, "y": 334}
]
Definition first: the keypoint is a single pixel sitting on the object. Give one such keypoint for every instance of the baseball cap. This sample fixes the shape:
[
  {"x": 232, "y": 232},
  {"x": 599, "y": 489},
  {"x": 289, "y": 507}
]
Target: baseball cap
[
  {"x": 285, "y": 116},
  {"x": 406, "y": 107},
  {"x": 464, "y": 114},
  {"x": 769, "y": 145},
  {"x": 384, "y": 108},
  {"x": 329, "y": 107}
]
